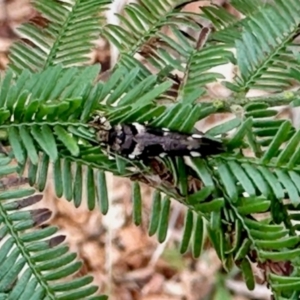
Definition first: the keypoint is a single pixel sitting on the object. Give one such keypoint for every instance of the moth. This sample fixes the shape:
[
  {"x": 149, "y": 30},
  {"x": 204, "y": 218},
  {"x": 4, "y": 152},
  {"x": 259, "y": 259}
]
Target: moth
[{"x": 137, "y": 141}]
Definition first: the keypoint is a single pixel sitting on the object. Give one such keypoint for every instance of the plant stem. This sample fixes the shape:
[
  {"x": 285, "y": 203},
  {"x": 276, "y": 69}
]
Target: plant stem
[{"x": 285, "y": 98}]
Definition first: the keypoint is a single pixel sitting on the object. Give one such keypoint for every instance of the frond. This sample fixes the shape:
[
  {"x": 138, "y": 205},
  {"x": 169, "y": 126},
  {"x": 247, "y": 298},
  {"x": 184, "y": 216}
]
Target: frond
[
  {"x": 142, "y": 22},
  {"x": 141, "y": 33},
  {"x": 27, "y": 100},
  {"x": 263, "y": 55},
  {"x": 32, "y": 257},
  {"x": 247, "y": 206},
  {"x": 262, "y": 194},
  {"x": 276, "y": 146},
  {"x": 228, "y": 26},
  {"x": 44, "y": 127},
  {"x": 248, "y": 8},
  {"x": 67, "y": 38},
  {"x": 64, "y": 139},
  {"x": 198, "y": 71}
]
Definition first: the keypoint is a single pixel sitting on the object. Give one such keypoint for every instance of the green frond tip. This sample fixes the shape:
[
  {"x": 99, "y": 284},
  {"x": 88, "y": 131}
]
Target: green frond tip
[
  {"x": 70, "y": 143},
  {"x": 102, "y": 192},
  {"x": 187, "y": 233},
  {"x": 141, "y": 18},
  {"x": 247, "y": 273},
  {"x": 260, "y": 47},
  {"x": 32, "y": 275},
  {"x": 198, "y": 237},
  {"x": 137, "y": 203},
  {"x": 164, "y": 220},
  {"x": 155, "y": 213},
  {"x": 50, "y": 45},
  {"x": 90, "y": 185}
]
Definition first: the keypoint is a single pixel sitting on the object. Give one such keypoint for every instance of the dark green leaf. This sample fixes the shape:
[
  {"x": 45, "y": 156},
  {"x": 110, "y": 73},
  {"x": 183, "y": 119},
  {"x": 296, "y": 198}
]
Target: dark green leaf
[
  {"x": 69, "y": 142},
  {"x": 211, "y": 206},
  {"x": 137, "y": 203},
  {"x": 90, "y": 185},
  {"x": 67, "y": 179},
  {"x": 188, "y": 230},
  {"x": 257, "y": 179},
  {"x": 14, "y": 139},
  {"x": 229, "y": 183},
  {"x": 242, "y": 177},
  {"x": 32, "y": 173},
  {"x": 247, "y": 273},
  {"x": 200, "y": 196},
  {"x": 43, "y": 172},
  {"x": 155, "y": 213},
  {"x": 224, "y": 127},
  {"x": 102, "y": 192},
  {"x": 77, "y": 187},
  {"x": 29, "y": 145},
  {"x": 198, "y": 237},
  {"x": 58, "y": 178},
  {"x": 164, "y": 220},
  {"x": 278, "y": 140}
]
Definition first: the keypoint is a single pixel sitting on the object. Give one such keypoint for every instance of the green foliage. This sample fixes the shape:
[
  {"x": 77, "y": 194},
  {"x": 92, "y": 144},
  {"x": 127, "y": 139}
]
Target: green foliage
[
  {"x": 32, "y": 251},
  {"x": 141, "y": 33},
  {"x": 67, "y": 38},
  {"x": 247, "y": 205}
]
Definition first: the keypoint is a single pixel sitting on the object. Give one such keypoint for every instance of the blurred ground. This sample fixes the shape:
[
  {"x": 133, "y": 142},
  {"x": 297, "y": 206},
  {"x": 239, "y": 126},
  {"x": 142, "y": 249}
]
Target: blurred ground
[{"x": 126, "y": 263}]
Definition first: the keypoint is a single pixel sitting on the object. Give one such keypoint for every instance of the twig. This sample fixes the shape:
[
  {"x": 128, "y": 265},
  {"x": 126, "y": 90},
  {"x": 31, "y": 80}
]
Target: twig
[{"x": 285, "y": 98}]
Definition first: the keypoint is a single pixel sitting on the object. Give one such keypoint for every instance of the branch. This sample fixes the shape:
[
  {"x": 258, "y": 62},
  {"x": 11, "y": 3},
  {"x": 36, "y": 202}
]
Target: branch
[{"x": 285, "y": 98}]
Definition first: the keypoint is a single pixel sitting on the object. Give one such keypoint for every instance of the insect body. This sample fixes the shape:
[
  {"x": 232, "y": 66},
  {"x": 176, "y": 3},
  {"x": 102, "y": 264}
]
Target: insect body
[{"x": 137, "y": 141}]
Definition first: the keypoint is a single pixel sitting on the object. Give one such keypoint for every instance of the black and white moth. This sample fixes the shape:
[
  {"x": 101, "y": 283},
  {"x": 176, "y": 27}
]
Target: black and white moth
[{"x": 137, "y": 141}]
